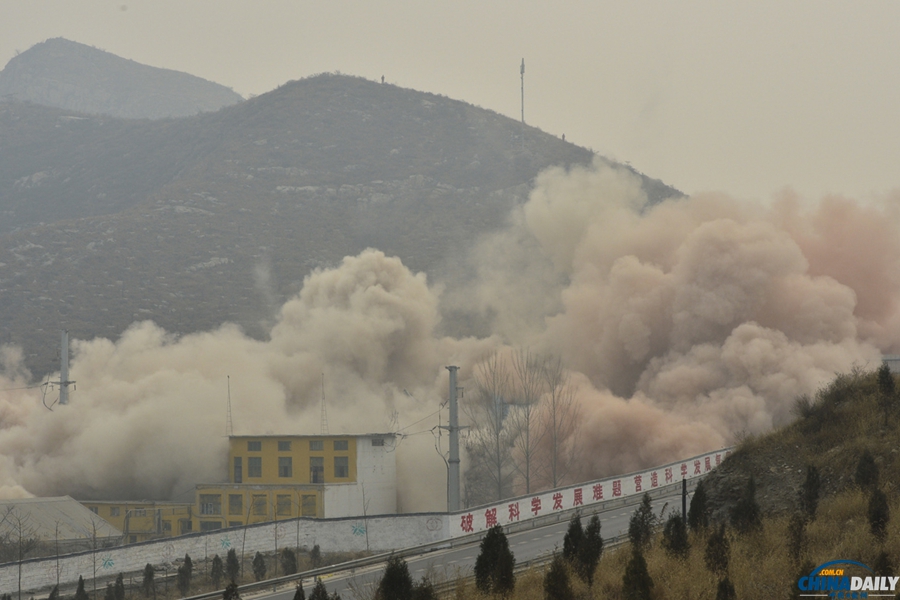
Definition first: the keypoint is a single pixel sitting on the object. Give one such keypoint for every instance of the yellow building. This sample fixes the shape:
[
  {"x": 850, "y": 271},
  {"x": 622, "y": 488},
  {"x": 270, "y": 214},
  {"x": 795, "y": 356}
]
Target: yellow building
[
  {"x": 223, "y": 505},
  {"x": 293, "y": 459},
  {"x": 145, "y": 520},
  {"x": 273, "y": 477}
]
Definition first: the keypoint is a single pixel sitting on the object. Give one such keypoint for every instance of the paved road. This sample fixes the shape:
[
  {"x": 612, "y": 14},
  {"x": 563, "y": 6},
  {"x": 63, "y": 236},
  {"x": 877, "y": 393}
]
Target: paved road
[{"x": 450, "y": 563}]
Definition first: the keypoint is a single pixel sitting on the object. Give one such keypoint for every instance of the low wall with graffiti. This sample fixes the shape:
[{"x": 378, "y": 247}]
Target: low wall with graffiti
[
  {"x": 376, "y": 534},
  {"x": 515, "y": 510}
]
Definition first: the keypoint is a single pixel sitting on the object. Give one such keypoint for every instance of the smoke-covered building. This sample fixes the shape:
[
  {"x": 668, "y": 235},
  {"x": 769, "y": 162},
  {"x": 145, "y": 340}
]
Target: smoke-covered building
[
  {"x": 279, "y": 477},
  {"x": 273, "y": 477},
  {"x": 144, "y": 520},
  {"x": 45, "y": 526}
]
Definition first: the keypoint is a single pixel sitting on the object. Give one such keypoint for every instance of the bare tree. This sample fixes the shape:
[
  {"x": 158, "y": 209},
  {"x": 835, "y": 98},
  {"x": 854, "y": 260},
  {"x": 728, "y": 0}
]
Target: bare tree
[
  {"x": 560, "y": 421},
  {"x": 18, "y": 538},
  {"x": 488, "y": 442},
  {"x": 95, "y": 524},
  {"x": 527, "y": 389},
  {"x": 56, "y": 540}
]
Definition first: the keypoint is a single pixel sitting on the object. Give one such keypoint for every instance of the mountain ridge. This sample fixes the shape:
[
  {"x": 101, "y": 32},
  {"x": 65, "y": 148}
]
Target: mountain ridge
[
  {"x": 73, "y": 76},
  {"x": 108, "y": 221}
]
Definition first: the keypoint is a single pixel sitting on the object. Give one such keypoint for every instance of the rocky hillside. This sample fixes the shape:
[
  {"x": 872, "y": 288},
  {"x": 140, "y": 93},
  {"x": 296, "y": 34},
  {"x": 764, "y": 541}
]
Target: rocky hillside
[
  {"x": 218, "y": 217},
  {"x": 80, "y": 78},
  {"x": 850, "y": 416}
]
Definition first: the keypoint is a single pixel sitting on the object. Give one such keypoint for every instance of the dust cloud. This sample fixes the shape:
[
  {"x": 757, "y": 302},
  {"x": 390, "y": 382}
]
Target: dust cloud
[
  {"x": 692, "y": 322},
  {"x": 682, "y": 324}
]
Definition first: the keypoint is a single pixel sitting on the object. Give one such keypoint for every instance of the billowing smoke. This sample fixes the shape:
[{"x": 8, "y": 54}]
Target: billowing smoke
[
  {"x": 683, "y": 325},
  {"x": 148, "y": 417},
  {"x": 692, "y": 322}
]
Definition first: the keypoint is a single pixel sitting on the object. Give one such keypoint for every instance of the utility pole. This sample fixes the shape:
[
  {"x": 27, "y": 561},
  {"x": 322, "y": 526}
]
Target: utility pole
[{"x": 453, "y": 428}]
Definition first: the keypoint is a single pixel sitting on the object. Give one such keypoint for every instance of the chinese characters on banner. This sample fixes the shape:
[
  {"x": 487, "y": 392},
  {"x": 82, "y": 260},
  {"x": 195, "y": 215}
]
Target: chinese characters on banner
[{"x": 547, "y": 503}]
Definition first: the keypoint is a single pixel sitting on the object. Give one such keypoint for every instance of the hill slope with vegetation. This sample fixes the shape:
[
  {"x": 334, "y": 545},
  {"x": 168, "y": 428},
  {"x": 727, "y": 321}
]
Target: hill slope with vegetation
[
  {"x": 852, "y": 416},
  {"x": 820, "y": 489}
]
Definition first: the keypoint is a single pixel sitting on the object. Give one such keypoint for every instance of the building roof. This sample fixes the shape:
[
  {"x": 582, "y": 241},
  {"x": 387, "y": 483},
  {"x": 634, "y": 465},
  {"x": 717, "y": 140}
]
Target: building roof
[
  {"x": 137, "y": 503},
  {"x": 313, "y": 436},
  {"x": 60, "y": 518}
]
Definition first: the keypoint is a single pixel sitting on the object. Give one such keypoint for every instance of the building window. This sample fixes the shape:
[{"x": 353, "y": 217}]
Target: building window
[
  {"x": 284, "y": 446},
  {"x": 238, "y": 469},
  {"x": 235, "y": 504},
  {"x": 186, "y": 526},
  {"x": 210, "y": 525},
  {"x": 254, "y": 466},
  {"x": 316, "y": 445},
  {"x": 235, "y": 524},
  {"x": 254, "y": 446},
  {"x": 283, "y": 505},
  {"x": 132, "y": 539},
  {"x": 94, "y": 510},
  {"x": 308, "y": 505},
  {"x": 167, "y": 526},
  {"x": 139, "y": 512},
  {"x": 377, "y": 442},
  {"x": 114, "y": 511},
  {"x": 285, "y": 466},
  {"x": 340, "y": 445},
  {"x": 341, "y": 467},
  {"x": 210, "y": 504},
  {"x": 260, "y": 505},
  {"x": 316, "y": 469}
]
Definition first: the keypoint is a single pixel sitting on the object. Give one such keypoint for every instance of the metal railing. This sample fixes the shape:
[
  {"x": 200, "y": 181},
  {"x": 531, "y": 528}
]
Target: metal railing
[{"x": 353, "y": 565}]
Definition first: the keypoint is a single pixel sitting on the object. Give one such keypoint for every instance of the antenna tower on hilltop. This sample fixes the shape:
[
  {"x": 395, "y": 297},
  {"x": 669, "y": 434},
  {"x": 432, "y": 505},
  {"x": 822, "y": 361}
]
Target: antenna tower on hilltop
[{"x": 522, "y": 73}]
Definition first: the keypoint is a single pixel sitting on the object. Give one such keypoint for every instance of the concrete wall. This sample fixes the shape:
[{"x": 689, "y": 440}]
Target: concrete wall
[
  {"x": 377, "y": 534},
  {"x": 523, "y": 508}
]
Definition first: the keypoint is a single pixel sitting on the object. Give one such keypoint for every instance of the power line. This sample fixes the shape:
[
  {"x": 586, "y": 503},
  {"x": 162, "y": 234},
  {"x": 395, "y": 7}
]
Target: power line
[
  {"x": 406, "y": 435},
  {"x": 422, "y": 419}
]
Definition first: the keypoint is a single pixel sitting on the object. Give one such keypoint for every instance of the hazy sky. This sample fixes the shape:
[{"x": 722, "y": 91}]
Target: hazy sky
[{"x": 744, "y": 97}]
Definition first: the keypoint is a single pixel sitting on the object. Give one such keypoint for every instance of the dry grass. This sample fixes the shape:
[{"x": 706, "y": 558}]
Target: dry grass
[
  {"x": 847, "y": 417},
  {"x": 759, "y": 564}
]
